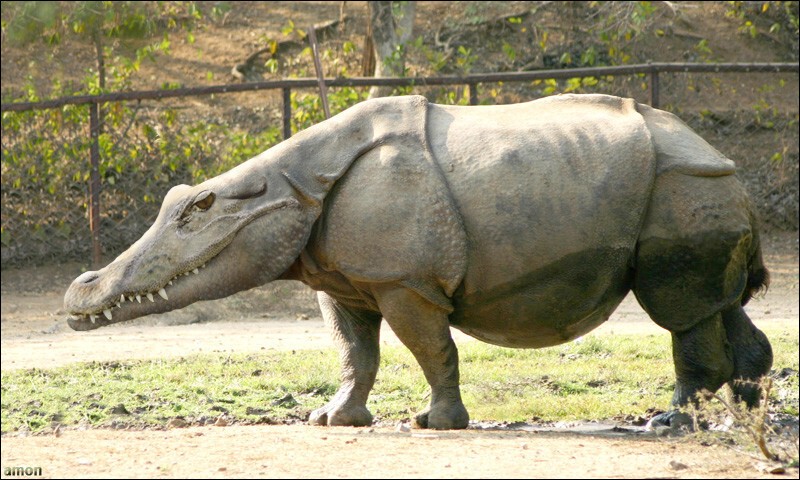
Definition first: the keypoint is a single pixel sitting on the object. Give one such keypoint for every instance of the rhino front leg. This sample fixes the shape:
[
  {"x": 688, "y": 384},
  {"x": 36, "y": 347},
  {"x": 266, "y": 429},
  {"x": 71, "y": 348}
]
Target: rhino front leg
[
  {"x": 425, "y": 330},
  {"x": 357, "y": 333}
]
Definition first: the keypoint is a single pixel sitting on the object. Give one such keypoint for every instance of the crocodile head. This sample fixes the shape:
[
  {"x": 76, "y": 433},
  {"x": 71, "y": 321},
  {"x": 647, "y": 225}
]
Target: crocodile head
[{"x": 231, "y": 233}]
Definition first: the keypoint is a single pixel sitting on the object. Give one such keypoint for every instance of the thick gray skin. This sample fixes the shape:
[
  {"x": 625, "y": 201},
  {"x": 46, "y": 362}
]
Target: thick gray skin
[{"x": 522, "y": 225}]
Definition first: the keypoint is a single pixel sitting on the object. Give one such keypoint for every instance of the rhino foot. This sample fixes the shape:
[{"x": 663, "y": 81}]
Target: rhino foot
[
  {"x": 450, "y": 417},
  {"x": 336, "y": 415}
]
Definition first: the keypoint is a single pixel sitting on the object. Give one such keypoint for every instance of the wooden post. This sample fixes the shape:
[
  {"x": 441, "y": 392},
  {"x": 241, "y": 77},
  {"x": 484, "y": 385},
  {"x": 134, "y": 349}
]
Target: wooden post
[
  {"x": 287, "y": 113},
  {"x": 94, "y": 184},
  {"x": 473, "y": 93},
  {"x": 654, "y": 88}
]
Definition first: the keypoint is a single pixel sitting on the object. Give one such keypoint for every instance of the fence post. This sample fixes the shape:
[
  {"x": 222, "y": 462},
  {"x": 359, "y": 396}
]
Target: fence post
[
  {"x": 94, "y": 183},
  {"x": 287, "y": 113},
  {"x": 654, "y": 88},
  {"x": 473, "y": 93}
]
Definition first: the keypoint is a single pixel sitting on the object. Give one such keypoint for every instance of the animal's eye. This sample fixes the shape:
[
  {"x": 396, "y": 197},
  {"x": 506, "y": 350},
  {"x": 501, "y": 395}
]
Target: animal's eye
[{"x": 204, "y": 200}]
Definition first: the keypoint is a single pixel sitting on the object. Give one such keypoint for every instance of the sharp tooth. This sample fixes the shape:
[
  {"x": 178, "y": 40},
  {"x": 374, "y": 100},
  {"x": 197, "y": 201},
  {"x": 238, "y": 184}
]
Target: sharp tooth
[
  {"x": 170, "y": 282},
  {"x": 118, "y": 305},
  {"x": 93, "y": 318},
  {"x": 130, "y": 298},
  {"x": 203, "y": 266},
  {"x": 163, "y": 294},
  {"x": 150, "y": 297},
  {"x": 122, "y": 299},
  {"x": 138, "y": 298},
  {"x": 195, "y": 271},
  {"x": 107, "y": 313}
]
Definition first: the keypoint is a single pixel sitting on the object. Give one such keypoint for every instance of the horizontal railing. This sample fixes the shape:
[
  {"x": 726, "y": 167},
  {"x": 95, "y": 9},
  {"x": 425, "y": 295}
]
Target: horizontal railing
[{"x": 652, "y": 70}]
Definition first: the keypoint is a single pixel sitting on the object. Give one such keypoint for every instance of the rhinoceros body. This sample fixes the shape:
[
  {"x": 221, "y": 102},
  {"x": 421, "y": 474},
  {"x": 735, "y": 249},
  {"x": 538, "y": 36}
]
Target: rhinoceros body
[{"x": 522, "y": 225}]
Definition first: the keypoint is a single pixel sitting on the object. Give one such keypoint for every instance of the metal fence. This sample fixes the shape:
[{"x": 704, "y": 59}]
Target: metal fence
[{"x": 83, "y": 176}]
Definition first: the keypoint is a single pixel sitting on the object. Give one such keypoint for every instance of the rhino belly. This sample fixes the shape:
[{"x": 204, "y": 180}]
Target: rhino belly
[{"x": 551, "y": 305}]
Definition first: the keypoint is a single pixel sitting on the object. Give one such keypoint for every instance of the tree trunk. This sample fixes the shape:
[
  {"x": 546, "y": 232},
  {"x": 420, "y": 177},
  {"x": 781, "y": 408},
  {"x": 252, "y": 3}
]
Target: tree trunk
[
  {"x": 392, "y": 27},
  {"x": 368, "y": 62},
  {"x": 97, "y": 39}
]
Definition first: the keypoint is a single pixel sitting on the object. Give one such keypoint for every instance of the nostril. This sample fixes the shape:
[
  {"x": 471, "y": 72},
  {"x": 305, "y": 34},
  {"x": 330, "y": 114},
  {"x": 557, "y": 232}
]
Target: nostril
[{"x": 87, "y": 277}]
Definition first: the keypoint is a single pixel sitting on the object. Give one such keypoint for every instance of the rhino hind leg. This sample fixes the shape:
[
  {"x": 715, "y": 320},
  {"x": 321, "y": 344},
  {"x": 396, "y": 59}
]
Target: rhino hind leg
[
  {"x": 357, "y": 333},
  {"x": 726, "y": 348},
  {"x": 721, "y": 345},
  {"x": 752, "y": 355},
  {"x": 704, "y": 361},
  {"x": 698, "y": 261}
]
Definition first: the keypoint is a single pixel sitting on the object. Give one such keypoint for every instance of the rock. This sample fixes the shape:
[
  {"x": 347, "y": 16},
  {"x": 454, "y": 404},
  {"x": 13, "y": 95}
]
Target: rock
[
  {"x": 177, "y": 423},
  {"x": 676, "y": 465},
  {"x": 771, "y": 468},
  {"x": 286, "y": 401}
]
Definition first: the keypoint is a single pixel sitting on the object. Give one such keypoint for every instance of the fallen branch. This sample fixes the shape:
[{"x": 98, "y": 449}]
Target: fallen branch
[{"x": 758, "y": 434}]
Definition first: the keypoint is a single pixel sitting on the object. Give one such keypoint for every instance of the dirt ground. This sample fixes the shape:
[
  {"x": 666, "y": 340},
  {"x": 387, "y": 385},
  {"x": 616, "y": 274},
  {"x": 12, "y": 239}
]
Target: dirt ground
[{"x": 34, "y": 334}]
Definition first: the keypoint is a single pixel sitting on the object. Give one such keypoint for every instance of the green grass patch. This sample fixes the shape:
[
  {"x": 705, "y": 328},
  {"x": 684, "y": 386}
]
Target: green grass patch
[{"x": 597, "y": 377}]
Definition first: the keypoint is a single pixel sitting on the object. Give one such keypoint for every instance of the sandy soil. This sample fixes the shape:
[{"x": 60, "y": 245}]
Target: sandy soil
[
  {"x": 34, "y": 334},
  {"x": 314, "y": 452}
]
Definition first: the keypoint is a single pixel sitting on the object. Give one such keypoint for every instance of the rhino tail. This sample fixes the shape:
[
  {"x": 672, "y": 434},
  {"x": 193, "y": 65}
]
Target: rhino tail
[{"x": 757, "y": 273}]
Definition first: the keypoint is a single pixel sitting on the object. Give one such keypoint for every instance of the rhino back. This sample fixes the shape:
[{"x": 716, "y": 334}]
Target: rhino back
[{"x": 552, "y": 194}]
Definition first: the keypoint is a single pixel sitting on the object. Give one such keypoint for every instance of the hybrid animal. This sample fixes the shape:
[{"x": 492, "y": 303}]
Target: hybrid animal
[{"x": 522, "y": 225}]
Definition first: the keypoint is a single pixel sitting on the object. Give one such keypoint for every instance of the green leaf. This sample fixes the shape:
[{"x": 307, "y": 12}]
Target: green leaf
[
  {"x": 288, "y": 28},
  {"x": 510, "y": 52}
]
